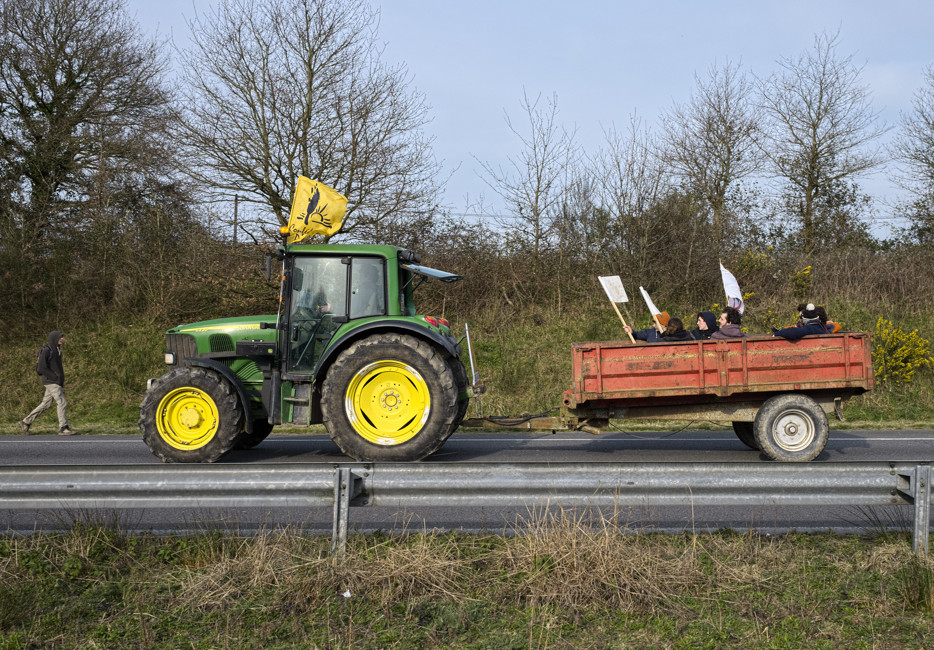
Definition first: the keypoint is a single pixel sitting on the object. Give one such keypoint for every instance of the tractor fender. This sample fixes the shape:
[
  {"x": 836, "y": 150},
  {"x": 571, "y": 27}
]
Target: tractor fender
[
  {"x": 447, "y": 343},
  {"x": 230, "y": 376}
]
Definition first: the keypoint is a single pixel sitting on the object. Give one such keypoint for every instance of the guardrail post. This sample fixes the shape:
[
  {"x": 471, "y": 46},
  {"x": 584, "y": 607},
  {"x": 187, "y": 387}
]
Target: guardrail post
[
  {"x": 346, "y": 487},
  {"x": 922, "y": 494}
]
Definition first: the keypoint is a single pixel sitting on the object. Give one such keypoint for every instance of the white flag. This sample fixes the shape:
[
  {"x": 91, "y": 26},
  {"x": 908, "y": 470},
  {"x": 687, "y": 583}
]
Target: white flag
[
  {"x": 613, "y": 286},
  {"x": 734, "y": 297},
  {"x": 648, "y": 301}
]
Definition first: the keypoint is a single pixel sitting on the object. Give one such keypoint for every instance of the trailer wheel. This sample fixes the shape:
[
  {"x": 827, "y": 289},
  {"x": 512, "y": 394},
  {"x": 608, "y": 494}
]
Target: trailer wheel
[
  {"x": 791, "y": 428},
  {"x": 462, "y": 383},
  {"x": 261, "y": 431},
  {"x": 390, "y": 397},
  {"x": 190, "y": 415},
  {"x": 744, "y": 431}
]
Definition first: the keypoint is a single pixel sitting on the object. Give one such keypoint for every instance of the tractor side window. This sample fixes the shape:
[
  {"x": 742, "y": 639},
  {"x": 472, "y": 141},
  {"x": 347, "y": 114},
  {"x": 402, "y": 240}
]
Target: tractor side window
[
  {"x": 319, "y": 293},
  {"x": 367, "y": 287},
  {"x": 406, "y": 300}
]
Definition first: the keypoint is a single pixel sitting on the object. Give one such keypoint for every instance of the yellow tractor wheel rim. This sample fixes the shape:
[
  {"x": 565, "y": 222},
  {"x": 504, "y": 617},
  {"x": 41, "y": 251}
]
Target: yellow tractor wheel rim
[
  {"x": 187, "y": 418},
  {"x": 387, "y": 402}
]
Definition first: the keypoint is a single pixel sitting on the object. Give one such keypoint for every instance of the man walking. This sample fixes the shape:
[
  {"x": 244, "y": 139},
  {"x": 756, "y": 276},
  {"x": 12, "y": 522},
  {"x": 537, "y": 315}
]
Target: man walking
[{"x": 49, "y": 367}]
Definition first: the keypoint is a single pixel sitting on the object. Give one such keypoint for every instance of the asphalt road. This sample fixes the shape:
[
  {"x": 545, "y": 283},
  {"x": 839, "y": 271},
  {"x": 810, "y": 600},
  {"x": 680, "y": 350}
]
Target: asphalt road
[{"x": 693, "y": 446}]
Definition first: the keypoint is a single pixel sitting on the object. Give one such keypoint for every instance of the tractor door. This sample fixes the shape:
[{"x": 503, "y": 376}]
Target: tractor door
[
  {"x": 317, "y": 307},
  {"x": 327, "y": 292}
]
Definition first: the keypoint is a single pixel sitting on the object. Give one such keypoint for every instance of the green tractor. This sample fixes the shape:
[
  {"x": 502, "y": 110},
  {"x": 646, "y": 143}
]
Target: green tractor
[{"x": 346, "y": 349}]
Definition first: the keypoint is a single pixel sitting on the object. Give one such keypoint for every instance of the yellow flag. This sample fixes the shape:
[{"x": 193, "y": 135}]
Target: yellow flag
[{"x": 316, "y": 210}]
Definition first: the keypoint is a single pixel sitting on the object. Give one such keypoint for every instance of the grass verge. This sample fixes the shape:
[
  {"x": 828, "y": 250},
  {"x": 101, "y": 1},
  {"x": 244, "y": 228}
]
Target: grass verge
[{"x": 568, "y": 581}]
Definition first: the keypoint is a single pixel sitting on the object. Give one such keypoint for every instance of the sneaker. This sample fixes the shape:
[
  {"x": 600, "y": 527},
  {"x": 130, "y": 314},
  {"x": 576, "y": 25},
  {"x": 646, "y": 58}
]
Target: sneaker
[
  {"x": 66, "y": 431},
  {"x": 23, "y": 427}
]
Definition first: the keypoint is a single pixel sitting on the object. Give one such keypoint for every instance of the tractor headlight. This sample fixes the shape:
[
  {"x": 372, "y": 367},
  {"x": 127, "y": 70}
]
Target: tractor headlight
[{"x": 170, "y": 358}]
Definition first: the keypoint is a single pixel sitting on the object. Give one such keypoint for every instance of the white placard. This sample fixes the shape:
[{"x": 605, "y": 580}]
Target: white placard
[
  {"x": 613, "y": 286},
  {"x": 648, "y": 302}
]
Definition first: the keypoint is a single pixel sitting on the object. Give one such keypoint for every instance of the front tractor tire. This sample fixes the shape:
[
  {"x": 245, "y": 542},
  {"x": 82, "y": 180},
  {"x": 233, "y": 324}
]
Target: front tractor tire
[
  {"x": 190, "y": 415},
  {"x": 390, "y": 397}
]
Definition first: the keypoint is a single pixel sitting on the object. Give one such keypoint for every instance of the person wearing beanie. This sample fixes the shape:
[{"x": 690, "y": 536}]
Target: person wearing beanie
[
  {"x": 651, "y": 334},
  {"x": 50, "y": 369},
  {"x": 809, "y": 322},
  {"x": 706, "y": 326}
]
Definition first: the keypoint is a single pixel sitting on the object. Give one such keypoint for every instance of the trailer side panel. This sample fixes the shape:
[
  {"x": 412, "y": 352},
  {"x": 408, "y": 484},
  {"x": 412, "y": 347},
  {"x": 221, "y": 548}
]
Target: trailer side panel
[{"x": 621, "y": 373}]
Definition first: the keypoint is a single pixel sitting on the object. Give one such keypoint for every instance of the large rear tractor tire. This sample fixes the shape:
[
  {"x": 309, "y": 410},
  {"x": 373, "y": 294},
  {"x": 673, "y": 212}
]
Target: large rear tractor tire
[
  {"x": 390, "y": 397},
  {"x": 791, "y": 428},
  {"x": 744, "y": 431},
  {"x": 190, "y": 415}
]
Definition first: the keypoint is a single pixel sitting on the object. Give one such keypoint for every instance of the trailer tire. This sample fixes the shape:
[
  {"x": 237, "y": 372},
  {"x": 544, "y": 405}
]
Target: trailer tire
[
  {"x": 791, "y": 428},
  {"x": 190, "y": 415},
  {"x": 744, "y": 431},
  {"x": 261, "y": 431},
  {"x": 390, "y": 397},
  {"x": 462, "y": 383}
]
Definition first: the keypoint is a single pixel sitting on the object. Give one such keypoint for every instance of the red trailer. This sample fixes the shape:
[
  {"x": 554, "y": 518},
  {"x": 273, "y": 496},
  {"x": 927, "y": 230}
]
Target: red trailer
[{"x": 776, "y": 393}]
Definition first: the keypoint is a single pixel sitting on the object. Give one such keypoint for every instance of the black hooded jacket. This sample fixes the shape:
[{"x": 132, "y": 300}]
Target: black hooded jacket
[
  {"x": 50, "y": 361},
  {"x": 680, "y": 335},
  {"x": 677, "y": 335},
  {"x": 712, "y": 326}
]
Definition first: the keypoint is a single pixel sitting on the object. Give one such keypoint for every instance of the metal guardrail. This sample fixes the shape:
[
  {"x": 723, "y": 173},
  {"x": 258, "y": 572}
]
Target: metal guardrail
[{"x": 346, "y": 485}]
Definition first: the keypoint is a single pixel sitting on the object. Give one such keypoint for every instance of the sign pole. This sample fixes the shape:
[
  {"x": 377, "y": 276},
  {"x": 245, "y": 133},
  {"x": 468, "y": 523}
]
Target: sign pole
[
  {"x": 624, "y": 322},
  {"x": 615, "y": 291}
]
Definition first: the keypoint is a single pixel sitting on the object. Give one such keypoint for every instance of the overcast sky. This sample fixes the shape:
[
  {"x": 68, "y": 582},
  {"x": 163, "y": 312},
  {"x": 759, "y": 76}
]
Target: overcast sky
[{"x": 606, "y": 61}]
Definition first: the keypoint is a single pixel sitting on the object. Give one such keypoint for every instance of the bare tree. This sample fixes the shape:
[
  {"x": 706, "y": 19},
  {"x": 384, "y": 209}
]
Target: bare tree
[
  {"x": 582, "y": 227},
  {"x": 710, "y": 143},
  {"x": 533, "y": 186},
  {"x": 275, "y": 89},
  {"x": 914, "y": 149},
  {"x": 820, "y": 131},
  {"x": 914, "y": 145},
  {"x": 629, "y": 179},
  {"x": 79, "y": 91},
  {"x": 83, "y": 122}
]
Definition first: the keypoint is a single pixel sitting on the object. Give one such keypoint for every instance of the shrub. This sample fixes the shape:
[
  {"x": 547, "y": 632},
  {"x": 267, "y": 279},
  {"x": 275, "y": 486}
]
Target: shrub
[
  {"x": 897, "y": 355},
  {"x": 801, "y": 282}
]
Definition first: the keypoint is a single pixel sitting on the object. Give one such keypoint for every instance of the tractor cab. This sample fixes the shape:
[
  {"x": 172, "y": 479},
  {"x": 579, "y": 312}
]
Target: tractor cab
[{"x": 327, "y": 293}]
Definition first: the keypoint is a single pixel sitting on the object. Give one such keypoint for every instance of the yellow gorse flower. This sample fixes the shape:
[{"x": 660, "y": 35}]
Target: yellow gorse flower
[{"x": 897, "y": 355}]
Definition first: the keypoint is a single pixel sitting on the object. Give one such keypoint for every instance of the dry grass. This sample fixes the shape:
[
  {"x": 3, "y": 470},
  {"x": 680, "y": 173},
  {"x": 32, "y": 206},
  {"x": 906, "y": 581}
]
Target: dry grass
[
  {"x": 581, "y": 560},
  {"x": 568, "y": 561},
  {"x": 568, "y": 579}
]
